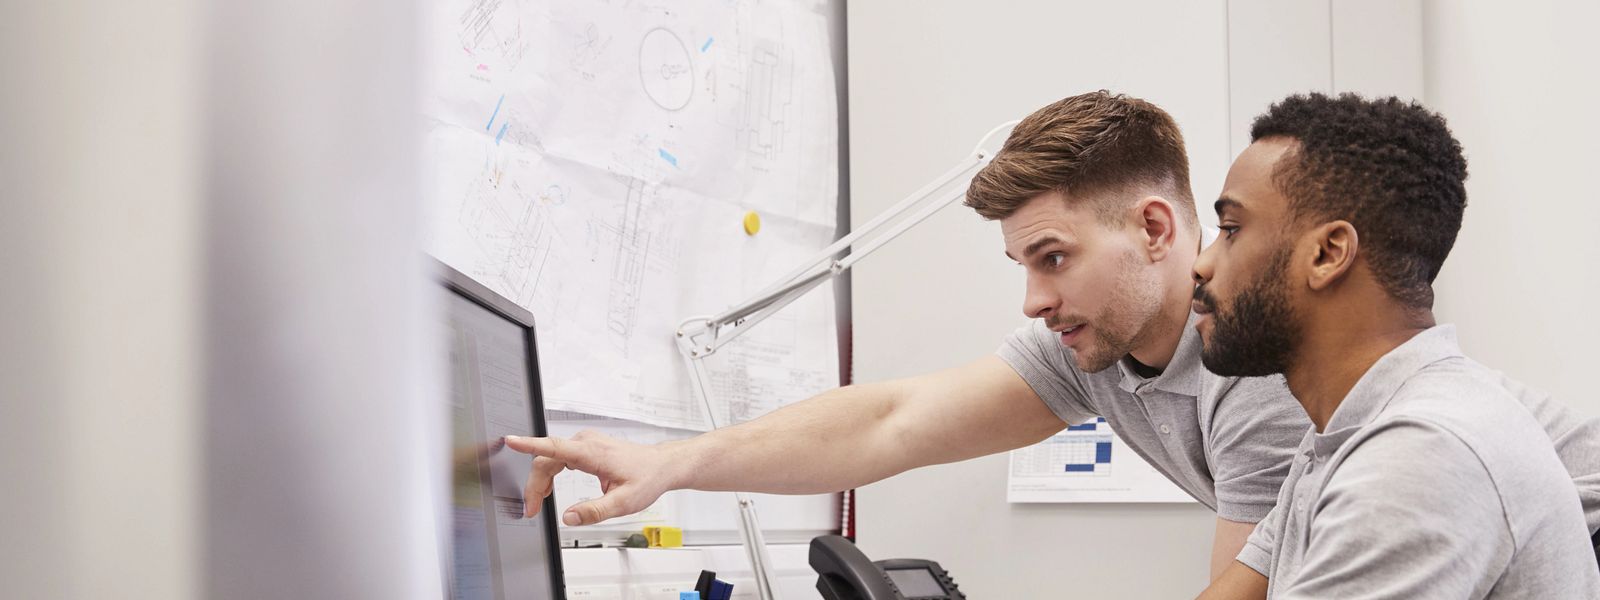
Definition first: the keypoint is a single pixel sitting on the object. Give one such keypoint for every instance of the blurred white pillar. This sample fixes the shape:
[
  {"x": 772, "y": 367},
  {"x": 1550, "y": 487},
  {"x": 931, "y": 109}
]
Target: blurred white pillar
[
  {"x": 99, "y": 206},
  {"x": 322, "y": 419},
  {"x": 216, "y": 376}
]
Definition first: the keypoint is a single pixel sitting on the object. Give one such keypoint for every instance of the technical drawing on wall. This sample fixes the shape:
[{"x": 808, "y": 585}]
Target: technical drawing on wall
[
  {"x": 665, "y": 69},
  {"x": 593, "y": 163}
]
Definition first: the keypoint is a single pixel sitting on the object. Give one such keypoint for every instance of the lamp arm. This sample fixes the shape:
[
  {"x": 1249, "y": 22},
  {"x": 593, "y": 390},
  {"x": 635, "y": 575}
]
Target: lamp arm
[
  {"x": 723, "y": 327},
  {"x": 701, "y": 336}
]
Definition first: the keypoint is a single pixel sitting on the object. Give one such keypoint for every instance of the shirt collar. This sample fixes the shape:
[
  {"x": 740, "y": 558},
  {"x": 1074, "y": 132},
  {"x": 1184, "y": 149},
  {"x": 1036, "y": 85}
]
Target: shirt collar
[
  {"x": 1378, "y": 385},
  {"x": 1183, "y": 373}
]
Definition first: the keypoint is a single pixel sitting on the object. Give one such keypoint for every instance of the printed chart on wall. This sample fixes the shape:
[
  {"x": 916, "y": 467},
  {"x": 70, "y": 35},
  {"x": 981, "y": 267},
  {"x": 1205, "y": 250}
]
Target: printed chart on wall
[
  {"x": 1086, "y": 463},
  {"x": 594, "y": 161}
]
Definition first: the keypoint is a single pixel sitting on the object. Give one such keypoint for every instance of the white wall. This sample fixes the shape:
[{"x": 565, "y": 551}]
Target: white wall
[
  {"x": 1519, "y": 83},
  {"x": 926, "y": 80},
  {"x": 1275, "y": 48}
]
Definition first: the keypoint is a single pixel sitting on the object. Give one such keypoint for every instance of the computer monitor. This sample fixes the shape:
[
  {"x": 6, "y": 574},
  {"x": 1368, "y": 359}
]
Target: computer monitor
[{"x": 495, "y": 554}]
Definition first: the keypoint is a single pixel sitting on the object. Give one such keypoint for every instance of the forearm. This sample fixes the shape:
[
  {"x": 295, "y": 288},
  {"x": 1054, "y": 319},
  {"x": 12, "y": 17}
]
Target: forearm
[
  {"x": 834, "y": 441},
  {"x": 1237, "y": 582},
  {"x": 1226, "y": 544},
  {"x": 856, "y": 435}
]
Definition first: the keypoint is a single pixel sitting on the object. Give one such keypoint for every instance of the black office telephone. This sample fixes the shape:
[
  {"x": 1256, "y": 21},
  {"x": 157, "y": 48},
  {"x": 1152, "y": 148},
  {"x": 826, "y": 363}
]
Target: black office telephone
[{"x": 844, "y": 573}]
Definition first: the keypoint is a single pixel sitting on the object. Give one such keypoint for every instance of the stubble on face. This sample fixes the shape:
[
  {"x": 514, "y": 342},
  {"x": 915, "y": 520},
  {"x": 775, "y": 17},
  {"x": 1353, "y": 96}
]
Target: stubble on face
[{"x": 1126, "y": 320}]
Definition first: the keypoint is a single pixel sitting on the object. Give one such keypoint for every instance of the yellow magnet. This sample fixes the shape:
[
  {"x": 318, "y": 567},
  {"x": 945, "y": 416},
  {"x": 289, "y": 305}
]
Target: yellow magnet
[
  {"x": 664, "y": 537},
  {"x": 752, "y": 223}
]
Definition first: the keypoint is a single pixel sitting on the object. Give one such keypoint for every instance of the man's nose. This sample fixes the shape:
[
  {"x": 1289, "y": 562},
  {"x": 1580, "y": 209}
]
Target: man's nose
[
  {"x": 1202, "y": 267},
  {"x": 1040, "y": 302}
]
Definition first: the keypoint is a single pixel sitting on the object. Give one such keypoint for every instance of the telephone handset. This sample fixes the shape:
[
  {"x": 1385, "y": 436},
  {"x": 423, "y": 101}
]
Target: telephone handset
[{"x": 844, "y": 573}]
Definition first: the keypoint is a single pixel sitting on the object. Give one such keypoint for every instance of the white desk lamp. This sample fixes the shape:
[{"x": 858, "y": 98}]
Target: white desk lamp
[{"x": 700, "y": 337}]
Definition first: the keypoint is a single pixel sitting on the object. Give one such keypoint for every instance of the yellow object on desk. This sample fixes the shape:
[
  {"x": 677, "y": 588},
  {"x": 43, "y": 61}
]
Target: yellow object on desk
[
  {"x": 752, "y": 223},
  {"x": 664, "y": 537}
]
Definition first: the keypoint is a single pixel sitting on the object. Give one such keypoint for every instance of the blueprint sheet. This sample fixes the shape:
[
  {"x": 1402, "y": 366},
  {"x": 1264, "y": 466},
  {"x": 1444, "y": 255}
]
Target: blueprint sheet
[{"x": 594, "y": 161}]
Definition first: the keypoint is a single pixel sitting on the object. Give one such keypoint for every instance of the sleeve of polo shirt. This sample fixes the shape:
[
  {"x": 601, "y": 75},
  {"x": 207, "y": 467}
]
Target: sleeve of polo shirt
[
  {"x": 1036, "y": 353},
  {"x": 1263, "y": 542},
  {"x": 1257, "y": 428},
  {"x": 1410, "y": 513},
  {"x": 1577, "y": 442}
]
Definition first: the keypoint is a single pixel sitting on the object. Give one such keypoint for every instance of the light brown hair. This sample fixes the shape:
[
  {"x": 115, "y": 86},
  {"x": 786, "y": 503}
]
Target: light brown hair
[{"x": 1097, "y": 145}]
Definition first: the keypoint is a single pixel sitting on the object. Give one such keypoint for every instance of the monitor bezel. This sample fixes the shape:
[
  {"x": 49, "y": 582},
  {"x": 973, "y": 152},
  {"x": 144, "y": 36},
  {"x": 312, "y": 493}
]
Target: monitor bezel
[{"x": 459, "y": 283}]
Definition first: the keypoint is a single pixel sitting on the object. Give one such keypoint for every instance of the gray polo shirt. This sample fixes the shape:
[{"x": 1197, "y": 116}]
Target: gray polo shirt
[
  {"x": 1576, "y": 440},
  {"x": 1226, "y": 441},
  {"x": 1430, "y": 480}
]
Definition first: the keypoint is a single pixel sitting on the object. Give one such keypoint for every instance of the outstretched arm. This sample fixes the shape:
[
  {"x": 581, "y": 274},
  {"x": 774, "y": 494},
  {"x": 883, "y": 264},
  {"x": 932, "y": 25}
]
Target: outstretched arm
[{"x": 840, "y": 439}]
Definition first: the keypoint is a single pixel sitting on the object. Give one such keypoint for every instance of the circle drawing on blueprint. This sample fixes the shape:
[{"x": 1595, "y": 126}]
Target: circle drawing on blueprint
[
  {"x": 555, "y": 195},
  {"x": 665, "y": 70}
]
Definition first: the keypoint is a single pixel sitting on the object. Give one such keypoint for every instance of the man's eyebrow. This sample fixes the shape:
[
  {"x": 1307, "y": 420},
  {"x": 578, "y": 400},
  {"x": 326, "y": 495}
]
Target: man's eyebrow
[
  {"x": 1038, "y": 245},
  {"x": 1227, "y": 203}
]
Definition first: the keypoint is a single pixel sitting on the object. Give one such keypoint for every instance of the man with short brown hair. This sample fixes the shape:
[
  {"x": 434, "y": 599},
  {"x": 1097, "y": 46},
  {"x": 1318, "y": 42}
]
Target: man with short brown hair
[{"x": 1096, "y": 142}]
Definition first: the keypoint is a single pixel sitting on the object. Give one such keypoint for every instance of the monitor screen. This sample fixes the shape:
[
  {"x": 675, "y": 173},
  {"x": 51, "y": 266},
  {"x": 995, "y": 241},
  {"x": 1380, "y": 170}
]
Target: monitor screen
[
  {"x": 917, "y": 583},
  {"x": 494, "y": 391}
]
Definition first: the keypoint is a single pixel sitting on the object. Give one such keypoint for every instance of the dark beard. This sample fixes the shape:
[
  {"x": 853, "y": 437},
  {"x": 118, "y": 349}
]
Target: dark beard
[{"x": 1256, "y": 335}]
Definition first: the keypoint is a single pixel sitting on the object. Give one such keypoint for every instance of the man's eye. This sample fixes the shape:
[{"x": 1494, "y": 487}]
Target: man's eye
[
  {"x": 1055, "y": 260},
  {"x": 1229, "y": 230}
]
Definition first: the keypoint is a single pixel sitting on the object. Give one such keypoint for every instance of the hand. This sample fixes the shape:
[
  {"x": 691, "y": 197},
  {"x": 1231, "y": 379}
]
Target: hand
[{"x": 632, "y": 476}]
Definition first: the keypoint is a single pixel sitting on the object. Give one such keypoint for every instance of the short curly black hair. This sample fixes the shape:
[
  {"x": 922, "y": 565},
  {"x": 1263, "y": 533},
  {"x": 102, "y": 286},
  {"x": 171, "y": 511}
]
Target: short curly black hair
[{"x": 1391, "y": 168}]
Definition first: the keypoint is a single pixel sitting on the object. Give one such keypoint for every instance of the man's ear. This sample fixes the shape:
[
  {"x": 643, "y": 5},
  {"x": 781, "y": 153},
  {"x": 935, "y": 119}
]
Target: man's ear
[
  {"x": 1159, "y": 222},
  {"x": 1335, "y": 247}
]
